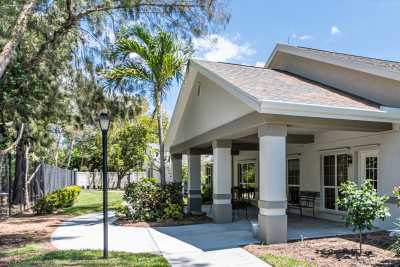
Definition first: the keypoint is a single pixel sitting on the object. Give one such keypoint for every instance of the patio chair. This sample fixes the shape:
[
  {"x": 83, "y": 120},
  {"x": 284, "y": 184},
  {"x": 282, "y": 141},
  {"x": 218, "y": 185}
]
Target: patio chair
[
  {"x": 239, "y": 202},
  {"x": 306, "y": 200}
]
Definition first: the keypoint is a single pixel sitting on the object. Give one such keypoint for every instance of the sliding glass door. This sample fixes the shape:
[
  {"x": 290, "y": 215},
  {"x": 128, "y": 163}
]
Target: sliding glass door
[{"x": 335, "y": 172}]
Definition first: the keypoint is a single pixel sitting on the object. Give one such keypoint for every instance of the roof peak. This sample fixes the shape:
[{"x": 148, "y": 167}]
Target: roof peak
[{"x": 230, "y": 63}]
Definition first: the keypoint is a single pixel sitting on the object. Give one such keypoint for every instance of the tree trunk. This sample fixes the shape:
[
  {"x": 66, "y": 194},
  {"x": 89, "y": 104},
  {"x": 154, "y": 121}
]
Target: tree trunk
[
  {"x": 26, "y": 185},
  {"x": 57, "y": 150},
  {"x": 161, "y": 141},
  {"x": 20, "y": 168},
  {"x": 360, "y": 243},
  {"x": 119, "y": 179},
  {"x": 71, "y": 147},
  {"x": 18, "y": 32}
]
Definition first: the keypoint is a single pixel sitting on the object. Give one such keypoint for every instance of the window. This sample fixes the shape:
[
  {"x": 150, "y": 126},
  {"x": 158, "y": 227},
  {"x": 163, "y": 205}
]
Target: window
[
  {"x": 293, "y": 180},
  {"x": 247, "y": 175},
  {"x": 369, "y": 166},
  {"x": 335, "y": 172},
  {"x": 209, "y": 174}
]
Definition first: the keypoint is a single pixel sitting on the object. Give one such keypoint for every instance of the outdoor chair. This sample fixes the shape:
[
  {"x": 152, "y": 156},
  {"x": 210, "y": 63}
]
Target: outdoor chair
[
  {"x": 239, "y": 202},
  {"x": 306, "y": 200}
]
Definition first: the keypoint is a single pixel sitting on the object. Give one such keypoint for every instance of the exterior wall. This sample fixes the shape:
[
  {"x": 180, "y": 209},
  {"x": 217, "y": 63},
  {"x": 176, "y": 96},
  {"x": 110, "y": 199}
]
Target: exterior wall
[
  {"x": 208, "y": 108},
  {"x": 355, "y": 82},
  {"x": 311, "y": 172},
  {"x": 388, "y": 163}
]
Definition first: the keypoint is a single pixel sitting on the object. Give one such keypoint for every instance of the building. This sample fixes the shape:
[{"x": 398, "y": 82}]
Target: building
[{"x": 307, "y": 121}]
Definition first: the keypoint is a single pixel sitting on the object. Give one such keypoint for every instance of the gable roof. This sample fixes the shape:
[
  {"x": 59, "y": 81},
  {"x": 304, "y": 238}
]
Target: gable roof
[
  {"x": 373, "y": 62},
  {"x": 272, "y": 85},
  {"x": 384, "y": 68}
]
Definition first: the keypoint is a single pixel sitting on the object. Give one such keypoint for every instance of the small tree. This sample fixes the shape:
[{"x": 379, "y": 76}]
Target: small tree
[{"x": 363, "y": 205}]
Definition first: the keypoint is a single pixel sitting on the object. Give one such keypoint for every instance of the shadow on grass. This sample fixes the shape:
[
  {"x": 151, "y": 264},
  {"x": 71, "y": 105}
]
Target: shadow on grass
[{"x": 92, "y": 258}]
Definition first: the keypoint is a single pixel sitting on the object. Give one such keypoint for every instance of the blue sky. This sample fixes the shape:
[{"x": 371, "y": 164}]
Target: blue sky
[{"x": 362, "y": 27}]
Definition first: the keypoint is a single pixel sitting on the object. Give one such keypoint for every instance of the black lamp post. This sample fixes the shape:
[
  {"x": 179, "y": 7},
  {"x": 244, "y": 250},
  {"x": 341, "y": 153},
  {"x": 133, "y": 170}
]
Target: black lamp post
[{"x": 104, "y": 125}]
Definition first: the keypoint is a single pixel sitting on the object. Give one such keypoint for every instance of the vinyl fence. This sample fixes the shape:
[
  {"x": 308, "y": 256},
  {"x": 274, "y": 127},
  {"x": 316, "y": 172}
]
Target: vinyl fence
[
  {"x": 94, "y": 180},
  {"x": 52, "y": 178}
]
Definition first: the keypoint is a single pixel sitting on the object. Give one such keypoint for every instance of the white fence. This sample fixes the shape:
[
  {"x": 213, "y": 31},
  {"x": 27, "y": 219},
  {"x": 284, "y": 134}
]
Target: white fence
[{"x": 94, "y": 180}]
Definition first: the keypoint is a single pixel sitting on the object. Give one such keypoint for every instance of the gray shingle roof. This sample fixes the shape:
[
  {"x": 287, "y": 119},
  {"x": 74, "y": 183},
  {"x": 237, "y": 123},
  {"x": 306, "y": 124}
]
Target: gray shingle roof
[
  {"x": 273, "y": 85},
  {"x": 374, "y": 62}
]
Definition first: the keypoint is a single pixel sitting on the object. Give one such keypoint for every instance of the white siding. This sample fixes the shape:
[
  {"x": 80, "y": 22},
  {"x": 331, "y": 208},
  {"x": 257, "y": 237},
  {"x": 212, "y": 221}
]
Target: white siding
[
  {"x": 389, "y": 161},
  {"x": 211, "y": 108}
]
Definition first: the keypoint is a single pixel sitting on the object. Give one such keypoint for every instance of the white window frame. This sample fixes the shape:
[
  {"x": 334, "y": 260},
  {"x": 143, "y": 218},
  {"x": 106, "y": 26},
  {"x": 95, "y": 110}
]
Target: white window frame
[
  {"x": 362, "y": 168},
  {"x": 335, "y": 186},
  {"x": 250, "y": 161},
  {"x": 287, "y": 175}
]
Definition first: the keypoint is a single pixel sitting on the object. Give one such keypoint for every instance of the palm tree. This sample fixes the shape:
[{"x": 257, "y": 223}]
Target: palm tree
[{"x": 152, "y": 60}]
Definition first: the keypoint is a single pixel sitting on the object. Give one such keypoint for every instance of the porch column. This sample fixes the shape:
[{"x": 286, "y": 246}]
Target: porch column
[
  {"x": 222, "y": 181},
  {"x": 176, "y": 168},
  {"x": 272, "y": 218},
  {"x": 194, "y": 185}
]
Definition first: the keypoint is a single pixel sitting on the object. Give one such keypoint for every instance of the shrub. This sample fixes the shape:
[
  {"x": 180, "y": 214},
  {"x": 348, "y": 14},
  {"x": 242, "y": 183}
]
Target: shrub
[
  {"x": 62, "y": 198},
  {"x": 173, "y": 211},
  {"x": 395, "y": 247},
  {"x": 148, "y": 201},
  {"x": 363, "y": 206},
  {"x": 206, "y": 194}
]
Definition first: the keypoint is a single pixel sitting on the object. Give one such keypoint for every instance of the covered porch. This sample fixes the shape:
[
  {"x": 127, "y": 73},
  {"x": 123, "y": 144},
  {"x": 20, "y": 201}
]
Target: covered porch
[{"x": 271, "y": 140}]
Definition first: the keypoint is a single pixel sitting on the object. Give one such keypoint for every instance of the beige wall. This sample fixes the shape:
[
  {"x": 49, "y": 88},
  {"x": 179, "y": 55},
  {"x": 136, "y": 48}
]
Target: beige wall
[{"x": 213, "y": 107}]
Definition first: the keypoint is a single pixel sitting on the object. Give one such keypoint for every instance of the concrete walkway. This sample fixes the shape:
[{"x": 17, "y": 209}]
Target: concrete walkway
[{"x": 190, "y": 245}]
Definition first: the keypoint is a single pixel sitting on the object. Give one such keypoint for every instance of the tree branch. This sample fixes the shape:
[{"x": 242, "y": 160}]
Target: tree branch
[
  {"x": 33, "y": 174},
  {"x": 21, "y": 131},
  {"x": 101, "y": 8},
  {"x": 18, "y": 32},
  {"x": 73, "y": 19}
]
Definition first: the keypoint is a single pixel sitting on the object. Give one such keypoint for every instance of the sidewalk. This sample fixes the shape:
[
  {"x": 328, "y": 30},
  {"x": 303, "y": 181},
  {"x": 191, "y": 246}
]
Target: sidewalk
[{"x": 189, "y": 245}]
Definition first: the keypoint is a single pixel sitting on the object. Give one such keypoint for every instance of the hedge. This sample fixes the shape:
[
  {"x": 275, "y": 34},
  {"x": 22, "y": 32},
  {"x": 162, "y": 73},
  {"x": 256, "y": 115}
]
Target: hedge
[{"x": 62, "y": 198}]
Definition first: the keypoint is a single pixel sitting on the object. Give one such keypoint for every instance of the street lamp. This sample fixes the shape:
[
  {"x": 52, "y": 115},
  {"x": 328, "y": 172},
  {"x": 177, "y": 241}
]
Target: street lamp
[{"x": 104, "y": 121}]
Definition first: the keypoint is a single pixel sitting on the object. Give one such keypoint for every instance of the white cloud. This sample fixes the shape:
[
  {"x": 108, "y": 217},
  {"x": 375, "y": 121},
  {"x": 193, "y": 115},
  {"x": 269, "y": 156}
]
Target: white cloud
[
  {"x": 260, "y": 64},
  {"x": 302, "y": 37},
  {"x": 218, "y": 48},
  {"x": 335, "y": 30}
]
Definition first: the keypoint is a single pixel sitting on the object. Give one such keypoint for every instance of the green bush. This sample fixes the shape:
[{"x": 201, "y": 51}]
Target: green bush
[
  {"x": 395, "y": 247},
  {"x": 206, "y": 193},
  {"x": 62, "y": 198},
  {"x": 148, "y": 201}
]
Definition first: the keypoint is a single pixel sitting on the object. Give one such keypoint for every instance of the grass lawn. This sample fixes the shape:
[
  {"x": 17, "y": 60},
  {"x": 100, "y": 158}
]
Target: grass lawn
[
  {"x": 285, "y": 261},
  {"x": 25, "y": 240},
  {"x": 92, "y": 201},
  {"x": 34, "y": 255}
]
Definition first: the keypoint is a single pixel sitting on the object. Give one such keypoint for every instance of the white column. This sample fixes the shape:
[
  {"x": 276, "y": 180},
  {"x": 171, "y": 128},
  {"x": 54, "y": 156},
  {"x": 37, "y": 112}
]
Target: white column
[
  {"x": 176, "y": 168},
  {"x": 222, "y": 181},
  {"x": 272, "y": 216},
  {"x": 194, "y": 185}
]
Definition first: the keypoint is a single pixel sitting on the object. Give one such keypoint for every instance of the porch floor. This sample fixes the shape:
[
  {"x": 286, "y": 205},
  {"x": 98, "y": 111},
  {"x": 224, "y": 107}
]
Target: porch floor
[{"x": 298, "y": 226}]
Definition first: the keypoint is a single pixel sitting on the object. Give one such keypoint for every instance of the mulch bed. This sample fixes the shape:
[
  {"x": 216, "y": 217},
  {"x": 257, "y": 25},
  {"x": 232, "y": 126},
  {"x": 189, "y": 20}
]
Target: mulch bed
[
  {"x": 187, "y": 220},
  {"x": 27, "y": 229},
  {"x": 336, "y": 251}
]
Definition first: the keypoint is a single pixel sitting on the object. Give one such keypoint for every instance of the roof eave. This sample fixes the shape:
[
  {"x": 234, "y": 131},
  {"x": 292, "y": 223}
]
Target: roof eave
[{"x": 384, "y": 114}]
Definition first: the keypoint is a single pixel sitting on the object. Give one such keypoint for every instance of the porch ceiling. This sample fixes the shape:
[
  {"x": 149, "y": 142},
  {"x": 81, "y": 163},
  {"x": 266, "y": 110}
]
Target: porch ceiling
[{"x": 301, "y": 130}]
